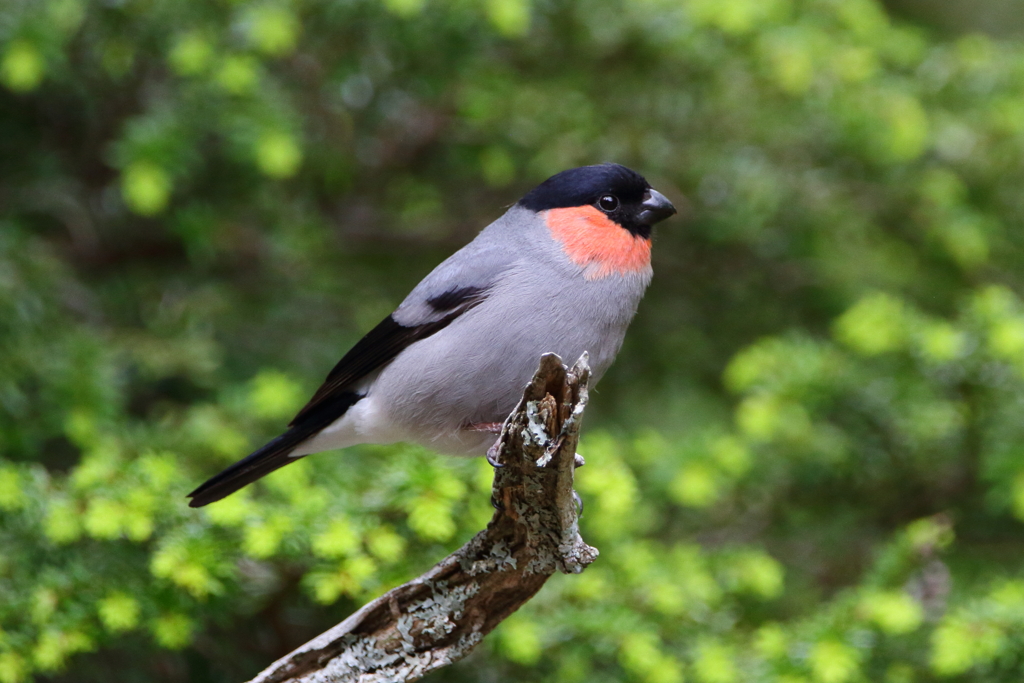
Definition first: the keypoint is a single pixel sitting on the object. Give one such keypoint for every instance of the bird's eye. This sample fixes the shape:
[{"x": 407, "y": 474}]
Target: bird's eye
[{"x": 608, "y": 202}]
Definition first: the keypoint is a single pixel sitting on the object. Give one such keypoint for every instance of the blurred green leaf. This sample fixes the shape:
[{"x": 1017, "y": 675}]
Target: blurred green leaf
[
  {"x": 805, "y": 465},
  {"x": 22, "y": 66}
]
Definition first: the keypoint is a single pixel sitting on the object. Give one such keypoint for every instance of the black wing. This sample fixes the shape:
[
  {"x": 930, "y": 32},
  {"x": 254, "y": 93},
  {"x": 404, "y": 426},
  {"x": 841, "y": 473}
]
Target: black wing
[
  {"x": 387, "y": 340},
  {"x": 335, "y": 396}
]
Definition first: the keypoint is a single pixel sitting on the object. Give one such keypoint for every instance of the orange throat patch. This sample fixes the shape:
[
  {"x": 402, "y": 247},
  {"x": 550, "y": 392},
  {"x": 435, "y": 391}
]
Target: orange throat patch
[{"x": 598, "y": 245}]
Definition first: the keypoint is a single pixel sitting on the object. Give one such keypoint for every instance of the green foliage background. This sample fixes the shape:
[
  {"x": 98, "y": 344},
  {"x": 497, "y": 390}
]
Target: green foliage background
[{"x": 806, "y": 466}]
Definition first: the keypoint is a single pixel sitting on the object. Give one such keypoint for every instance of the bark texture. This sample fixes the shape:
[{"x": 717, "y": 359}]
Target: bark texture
[{"x": 438, "y": 618}]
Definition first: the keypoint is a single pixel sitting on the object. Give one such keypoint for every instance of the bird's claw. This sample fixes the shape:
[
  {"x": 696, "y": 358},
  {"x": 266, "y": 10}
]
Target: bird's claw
[
  {"x": 493, "y": 453},
  {"x": 579, "y": 503}
]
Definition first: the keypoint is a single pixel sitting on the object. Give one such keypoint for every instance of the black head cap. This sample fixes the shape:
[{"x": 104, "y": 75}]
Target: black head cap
[{"x": 621, "y": 193}]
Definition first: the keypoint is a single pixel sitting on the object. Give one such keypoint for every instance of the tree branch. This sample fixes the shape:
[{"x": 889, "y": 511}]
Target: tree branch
[{"x": 438, "y": 618}]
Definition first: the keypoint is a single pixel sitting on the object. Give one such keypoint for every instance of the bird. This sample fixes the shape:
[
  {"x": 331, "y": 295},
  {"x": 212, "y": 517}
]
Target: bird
[{"x": 561, "y": 271}]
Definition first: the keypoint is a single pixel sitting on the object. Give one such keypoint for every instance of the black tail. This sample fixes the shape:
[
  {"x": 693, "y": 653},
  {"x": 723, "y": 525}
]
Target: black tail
[
  {"x": 272, "y": 456},
  {"x": 247, "y": 470}
]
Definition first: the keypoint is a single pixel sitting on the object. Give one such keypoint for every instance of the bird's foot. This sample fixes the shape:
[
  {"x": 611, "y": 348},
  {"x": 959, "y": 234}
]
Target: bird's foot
[
  {"x": 578, "y": 461},
  {"x": 493, "y": 453},
  {"x": 579, "y": 503},
  {"x": 488, "y": 427}
]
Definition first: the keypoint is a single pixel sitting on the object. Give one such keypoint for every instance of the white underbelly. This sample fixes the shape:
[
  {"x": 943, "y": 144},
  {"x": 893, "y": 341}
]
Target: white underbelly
[{"x": 367, "y": 422}]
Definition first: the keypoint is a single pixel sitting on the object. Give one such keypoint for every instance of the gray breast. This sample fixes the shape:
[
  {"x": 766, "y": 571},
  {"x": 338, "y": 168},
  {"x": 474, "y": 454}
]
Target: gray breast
[{"x": 474, "y": 370}]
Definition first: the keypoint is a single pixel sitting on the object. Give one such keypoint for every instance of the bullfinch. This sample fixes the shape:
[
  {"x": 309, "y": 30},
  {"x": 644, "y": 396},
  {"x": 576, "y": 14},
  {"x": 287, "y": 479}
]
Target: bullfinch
[{"x": 562, "y": 271}]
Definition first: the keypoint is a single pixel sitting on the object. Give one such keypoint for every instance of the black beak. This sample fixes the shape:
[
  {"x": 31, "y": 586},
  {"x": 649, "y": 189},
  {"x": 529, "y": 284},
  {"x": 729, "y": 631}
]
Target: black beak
[{"x": 656, "y": 208}]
